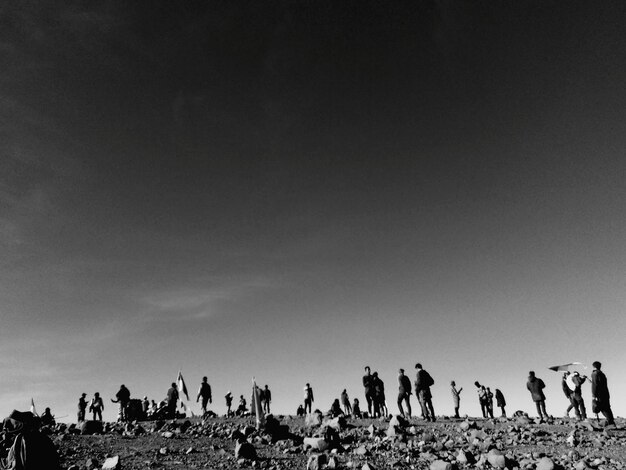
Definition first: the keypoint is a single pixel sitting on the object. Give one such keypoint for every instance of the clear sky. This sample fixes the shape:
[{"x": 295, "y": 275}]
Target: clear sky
[{"x": 294, "y": 190}]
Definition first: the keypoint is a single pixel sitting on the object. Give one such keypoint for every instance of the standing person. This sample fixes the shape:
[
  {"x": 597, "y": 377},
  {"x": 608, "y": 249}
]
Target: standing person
[
  {"x": 369, "y": 389},
  {"x": 229, "y": 403},
  {"x": 404, "y": 393},
  {"x": 535, "y": 386},
  {"x": 145, "y": 405},
  {"x": 172, "y": 401},
  {"x": 423, "y": 382},
  {"x": 577, "y": 397},
  {"x": 266, "y": 399},
  {"x": 600, "y": 393},
  {"x": 345, "y": 401},
  {"x": 456, "y": 398},
  {"x": 380, "y": 409},
  {"x": 490, "y": 402},
  {"x": 82, "y": 407},
  {"x": 308, "y": 398},
  {"x": 204, "y": 393},
  {"x": 482, "y": 398},
  {"x": 123, "y": 398},
  {"x": 96, "y": 406},
  {"x": 500, "y": 402},
  {"x": 567, "y": 391},
  {"x": 243, "y": 406}
]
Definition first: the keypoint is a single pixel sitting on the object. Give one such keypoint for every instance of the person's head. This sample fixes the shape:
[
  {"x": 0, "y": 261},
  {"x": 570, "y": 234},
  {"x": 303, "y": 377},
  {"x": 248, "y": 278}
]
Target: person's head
[
  {"x": 96, "y": 394},
  {"x": 375, "y": 374},
  {"x": 204, "y": 379},
  {"x": 565, "y": 374},
  {"x": 597, "y": 365},
  {"x": 83, "y": 395},
  {"x": 307, "y": 385},
  {"x": 576, "y": 374},
  {"x": 453, "y": 383},
  {"x": 477, "y": 384},
  {"x": 146, "y": 397},
  {"x": 367, "y": 369},
  {"x": 173, "y": 384},
  {"x": 418, "y": 366},
  {"x": 122, "y": 386},
  {"x": 488, "y": 389},
  {"x": 47, "y": 410},
  {"x": 356, "y": 400},
  {"x": 531, "y": 373},
  {"x": 266, "y": 387},
  {"x": 482, "y": 387},
  {"x": 401, "y": 371},
  {"x": 498, "y": 391}
]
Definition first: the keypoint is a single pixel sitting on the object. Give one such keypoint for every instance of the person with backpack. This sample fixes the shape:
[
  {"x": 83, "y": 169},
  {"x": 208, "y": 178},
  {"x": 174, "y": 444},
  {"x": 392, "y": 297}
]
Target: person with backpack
[
  {"x": 423, "y": 382},
  {"x": 600, "y": 393},
  {"x": 31, "y": 448},
  {"x": 204, "y": 393},
  {"x": 172, "y": 401},
  {"x": 404, "y": 393},
  {"x": 123, "y": 398}
]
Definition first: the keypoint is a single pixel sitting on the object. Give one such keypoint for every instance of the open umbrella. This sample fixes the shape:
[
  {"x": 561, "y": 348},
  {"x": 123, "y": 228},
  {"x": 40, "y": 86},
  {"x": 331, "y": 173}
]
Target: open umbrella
[{"x": 572, "y": 366}]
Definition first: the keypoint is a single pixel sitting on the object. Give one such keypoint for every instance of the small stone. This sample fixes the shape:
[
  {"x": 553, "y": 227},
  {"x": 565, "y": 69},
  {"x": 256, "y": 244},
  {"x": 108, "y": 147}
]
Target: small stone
[
  {"x": 545, "y": 463},
  {"x": 496, "y": 458},
  {"x": 316, "y": 461},
  {"x": 245, "y": 450},
  {"x": 315, "y": 443},
  {"x": 581, "y": 465},
  {"x": 90, "y": 464},
  {"x": 168, "y": 435},
  {"x": 368, "y": 466},
  {"x": 441, "y": 465},
  {"x": 112, "y": 463},
  {"x": 361, "y": 450},
  {"x": 163, "y": 451}
]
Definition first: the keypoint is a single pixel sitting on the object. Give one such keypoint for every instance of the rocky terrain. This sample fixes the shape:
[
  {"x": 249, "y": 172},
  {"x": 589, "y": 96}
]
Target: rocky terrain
[{"x": 317, "y": 442}]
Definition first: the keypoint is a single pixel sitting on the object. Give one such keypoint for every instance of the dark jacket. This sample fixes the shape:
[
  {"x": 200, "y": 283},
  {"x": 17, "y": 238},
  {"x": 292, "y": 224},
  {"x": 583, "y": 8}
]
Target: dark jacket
[
  {"x": 535, "y": 386},
  {"x": 599, "y": 385},
  {"x": 423, "y": 381},
  {"x": 368, "y": 382},
  {"x": 404, "y": 385},
  {"x": 500, "y": 401},
  {"x": 578, "y": 381},
  {"x": 123, "y": 395}
]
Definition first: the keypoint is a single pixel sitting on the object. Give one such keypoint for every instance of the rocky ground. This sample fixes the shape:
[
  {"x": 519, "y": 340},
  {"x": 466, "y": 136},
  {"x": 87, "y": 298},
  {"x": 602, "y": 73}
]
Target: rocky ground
[{"x": 316, "y": 443}]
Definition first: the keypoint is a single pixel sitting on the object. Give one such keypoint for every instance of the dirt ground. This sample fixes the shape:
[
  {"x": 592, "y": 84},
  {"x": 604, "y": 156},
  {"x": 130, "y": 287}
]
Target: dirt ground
[{"x": 357, "y": 443}]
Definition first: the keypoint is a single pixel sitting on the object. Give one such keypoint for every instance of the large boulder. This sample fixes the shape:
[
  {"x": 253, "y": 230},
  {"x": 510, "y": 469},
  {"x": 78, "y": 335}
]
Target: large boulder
[
  {"x": 91, "y": 427},
  {"x": 245, "y": 450},
  {"x": 313, "y": 419},
  {"x": 315, "y": 443},
  {"x": 112, "y": 463}
]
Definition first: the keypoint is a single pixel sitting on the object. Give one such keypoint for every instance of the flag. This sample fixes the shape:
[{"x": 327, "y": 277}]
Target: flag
[
  {"x": 256, "y": 404},
  {"x": 571, "y": 366},
  {"x": 32, "y": 407},
  {"x": 182, "y": 388}
]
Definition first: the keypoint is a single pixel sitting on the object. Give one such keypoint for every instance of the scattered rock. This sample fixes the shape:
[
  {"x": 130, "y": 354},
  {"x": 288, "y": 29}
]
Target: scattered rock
[
  {"x": 112, "y": 463},
  {"x": 245, "y": 450},
  {"x": 316, "y": 461}
]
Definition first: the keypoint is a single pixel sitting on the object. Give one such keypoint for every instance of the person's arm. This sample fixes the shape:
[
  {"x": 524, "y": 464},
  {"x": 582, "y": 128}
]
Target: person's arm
[
  {"x": 210, "y": 395},
  {"x": 199, "y": 394},
  {"x": 460, "y": 390}
]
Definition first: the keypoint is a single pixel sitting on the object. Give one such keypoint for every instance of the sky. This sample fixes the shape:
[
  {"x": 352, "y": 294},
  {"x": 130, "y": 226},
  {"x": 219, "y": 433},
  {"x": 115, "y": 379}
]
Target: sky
[{"x": 294, "y": 190}]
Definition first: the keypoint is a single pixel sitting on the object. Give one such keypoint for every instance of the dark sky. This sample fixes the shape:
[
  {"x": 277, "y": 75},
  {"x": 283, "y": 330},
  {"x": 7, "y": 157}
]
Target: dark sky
[{"x": 419, "y": 163}]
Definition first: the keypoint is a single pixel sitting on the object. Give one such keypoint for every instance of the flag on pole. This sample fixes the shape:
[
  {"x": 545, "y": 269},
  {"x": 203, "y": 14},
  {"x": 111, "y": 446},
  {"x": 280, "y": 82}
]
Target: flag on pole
[
  {"x": 32, "y": 407},
  {"x": 256, "y": 404},
  {"x": 570, "y": 366},
  {"x": 182, "y": 388}
]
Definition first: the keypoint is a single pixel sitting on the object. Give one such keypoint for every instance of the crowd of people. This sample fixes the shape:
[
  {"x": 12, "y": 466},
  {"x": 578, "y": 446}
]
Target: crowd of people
[{"x": 374, "y": 391}]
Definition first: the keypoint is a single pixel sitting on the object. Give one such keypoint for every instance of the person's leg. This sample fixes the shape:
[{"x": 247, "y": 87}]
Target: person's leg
[
  {"x": 581, "y": 407},
  {"x": 400, "y": 398},
  {"x": 431, "y": 409},
  {"x": 368, "y": 398},
  {"x": 503, "y": 412},
  {"x": 407, "y": 399},
  {"x": 538, "y": 406},
  {"x": 543, "y": 409}
]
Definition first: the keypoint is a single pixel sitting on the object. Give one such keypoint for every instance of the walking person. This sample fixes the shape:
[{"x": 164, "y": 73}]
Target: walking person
[
  {"x": 567, "y": 391},
  {"x": 204, "y": 394},
  {"x": 456, "y": 398},
  {"x": 404, "y": 393},
  {"x": 423, "y": 382},
  {"x": 229, "y": 403},
  {"x": 368, "y": 387},
  {"x": 577, "y": 397},
  {"x": 535, "y": 386},
  {"x": 308, "y": 398},
  {"x": 600, "y": 394}
]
